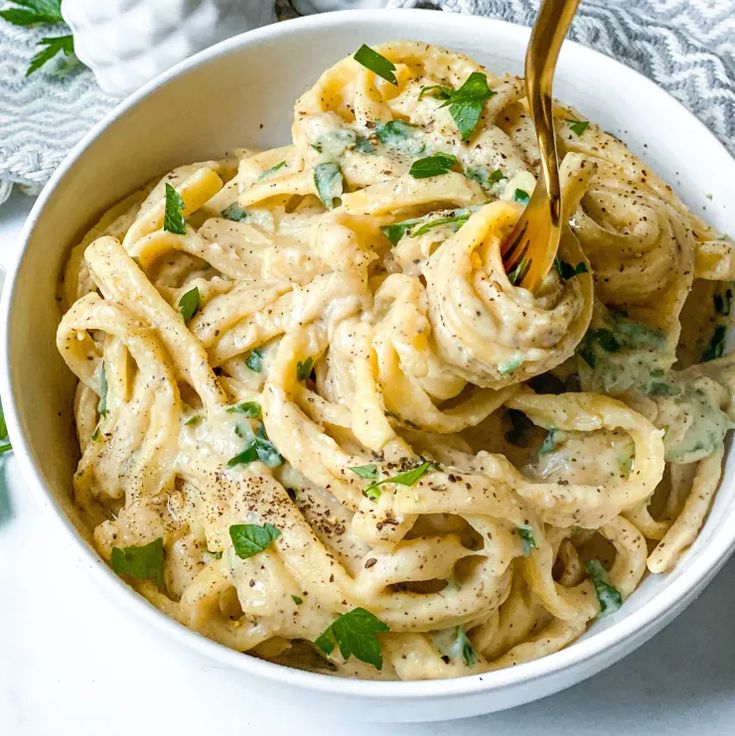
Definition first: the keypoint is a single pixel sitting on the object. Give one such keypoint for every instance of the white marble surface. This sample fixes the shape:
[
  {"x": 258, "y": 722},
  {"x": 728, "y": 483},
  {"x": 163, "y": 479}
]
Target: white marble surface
[{"x": 71, "y": 663}]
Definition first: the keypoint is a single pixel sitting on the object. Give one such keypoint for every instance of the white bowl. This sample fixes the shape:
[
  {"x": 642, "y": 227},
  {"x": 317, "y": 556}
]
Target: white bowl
[{"x": 240, "y": 93}]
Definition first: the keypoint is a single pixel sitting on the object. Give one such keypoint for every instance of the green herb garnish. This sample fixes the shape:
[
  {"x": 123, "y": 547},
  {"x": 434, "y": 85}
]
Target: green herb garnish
[
  {"x": 250, "y": 539},
  {"x": 484, "y": 178},
  {"x": 355, "y": 634},
  {"x": 142, "y": 563},
  {"x": 104, "y": 388},
  {"x": 716, "y": 346},
  {"x": 436, "y": 165},
  {"x": 254, "y": 360},
  {"x": 376, "y": 63},
  {"x": 466, "y": 103},
  {"x": 511, "y": 365},
  {"x": 261, "y": 448},
  {"x": 456, "y": 220},
  {"x": 578, "y": 126},
  {"x": 566, "y": 271},
  {"x": 549, "y": 443},
  {"x": 370, "y": 472},
  {"x": 407, "y": 478},
  {"x": 468, "y": 652},
  {"x": 402, "y": 136},
  {"x": 173, "y": 217},
  {"x": 269, "y": 172},
  {"x": 397, "y": 230},
  {"x": 297, "y": 599},
  {"x": 608, "y": 596},
  {"x": 329, "y": 183},
  {"x": 234, "y": 212},
  {"x": 193, "y": 420},
  {"x": 517, "y": 274},
  {"x": 247, "y": 408},
  {"x": 189, "y": 303},
  {"x": 602, "y": 337},
  {"x": 521, "y": 196},
  {"x": 303, "y": 370},
  {"x": 527, "y": 539},
  {"x": 363, "y": 145}
]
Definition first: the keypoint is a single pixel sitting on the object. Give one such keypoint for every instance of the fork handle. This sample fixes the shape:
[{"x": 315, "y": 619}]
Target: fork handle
[{"x": 548, "y": 33}]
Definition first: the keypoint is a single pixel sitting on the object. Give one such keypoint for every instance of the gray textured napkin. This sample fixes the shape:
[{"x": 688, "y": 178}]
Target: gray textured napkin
[{"x": 686, "y": 46}]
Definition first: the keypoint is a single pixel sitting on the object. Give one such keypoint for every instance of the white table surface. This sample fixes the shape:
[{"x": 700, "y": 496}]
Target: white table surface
[{"x": 72, "y": 663}]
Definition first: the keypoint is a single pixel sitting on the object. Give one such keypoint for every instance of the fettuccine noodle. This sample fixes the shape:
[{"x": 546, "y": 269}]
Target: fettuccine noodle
[{"x": 323, "y": 321}]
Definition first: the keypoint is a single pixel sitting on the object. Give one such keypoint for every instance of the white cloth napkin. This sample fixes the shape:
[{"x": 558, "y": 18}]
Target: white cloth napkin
[{"x": 686, "y": 47}]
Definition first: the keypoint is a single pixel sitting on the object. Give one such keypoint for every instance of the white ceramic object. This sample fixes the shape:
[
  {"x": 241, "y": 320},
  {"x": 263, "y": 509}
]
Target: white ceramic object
[
  {"x": 321, "y": 6},
  {"x": 240, "y": 93},
  {"x": 128, "y": 42}
]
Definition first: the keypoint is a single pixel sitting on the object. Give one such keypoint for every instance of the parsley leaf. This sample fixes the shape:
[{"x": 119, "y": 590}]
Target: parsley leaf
[
  {"x": 249, "y": 539},
  {"x": 5, "y": 445},
  {"x": 602, "y": 337},
  {"x": 608, "y": 596},
  {"x": 407, "y": 478},
  {"x": 297, "y": 599},
  {"x": 566, "y": 271},
  {"x": 716, "y": 346},
  {"x": 102, "y": 404},
  {"x": 247, "y": 408},
  {"x": 549, "y": 443},
  {"x": 397, "y": 230},
  {"x": 189, "y": 303},
  {"x": 329, "y": 183},
  {"x": 402, "y": 136},
  {"x": 436, "y": 90},
  {"x": 482, "y": 177},
  {"x": 355, "y": 634},
  {"x": 173, "y": 217},
  {"x": 457, "y": 220},
  {"x": 521, "y": 196},
  {"x": 376, "y": 63},
  {"x": 31, "y": 12},
  {"x": 517, "y": 274},
  {"x": 142, "y": 563},
  {"x": 363, "y": 145},
  {"x": 527, "y": 539},
  {"x": 269, "y": 172},
  {"x": 436, "y": 165},
  {"x": 254, "y": 360},
  {"x": 234, "y": 212},
  {"x": 578, "y": 126},
  {"x": 366, "y": 471},
  {"x": 193, "y": 420},
  {"x": 53, "y": 45},
  {"x": 464, "y": 644},
  {"x": 466, "y": 103},
  {"x": 303, "y": 370},
  {"x": 261, "y": 448}
]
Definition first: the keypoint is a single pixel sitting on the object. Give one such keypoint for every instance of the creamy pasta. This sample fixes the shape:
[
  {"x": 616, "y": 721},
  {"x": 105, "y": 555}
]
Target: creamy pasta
[{"x": 319, "y": 423}]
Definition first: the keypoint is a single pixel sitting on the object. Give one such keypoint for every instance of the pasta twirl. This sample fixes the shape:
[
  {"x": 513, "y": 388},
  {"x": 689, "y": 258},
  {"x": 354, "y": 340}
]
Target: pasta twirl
[{"x": 319, "y": 423}]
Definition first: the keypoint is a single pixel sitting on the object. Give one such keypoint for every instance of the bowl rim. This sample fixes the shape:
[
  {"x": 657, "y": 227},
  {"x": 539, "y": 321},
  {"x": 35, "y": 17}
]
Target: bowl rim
[{"x": 690, "y": 581}]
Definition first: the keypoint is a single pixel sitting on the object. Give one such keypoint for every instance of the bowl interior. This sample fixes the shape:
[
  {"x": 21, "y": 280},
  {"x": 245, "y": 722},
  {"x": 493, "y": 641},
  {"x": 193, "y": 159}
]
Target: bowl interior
[{"x": 241, "y": 94}]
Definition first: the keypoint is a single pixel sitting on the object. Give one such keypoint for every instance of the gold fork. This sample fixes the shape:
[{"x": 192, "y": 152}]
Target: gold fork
[{"x": 529, "y": 251}]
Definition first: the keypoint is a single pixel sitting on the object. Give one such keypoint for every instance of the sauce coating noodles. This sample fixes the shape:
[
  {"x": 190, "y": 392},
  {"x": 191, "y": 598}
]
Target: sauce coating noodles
[{"x": 322, "y": 393}]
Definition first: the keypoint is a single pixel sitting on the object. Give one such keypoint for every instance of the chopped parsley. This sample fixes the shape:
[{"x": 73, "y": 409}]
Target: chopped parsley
[
  {"x": 397, "y": 230},
  {"x": 4, "y": 441},
  {"x": 250, "y": 539},
  {"x": 329, "y": 183},
  {"x": 550, "y": 442},
  {"x": 303, "y": 370},
  {"x": 456, "y": 220},
  {"x": 578, "y": 126},
  {"x": 260, "y": 448},
  {"x": 407, "y": 478},
  {"x": 376, "y": 63},
  {"x": 366, "y": 471},
  {"x": 254, "y": 360},
  {"x": 269, "y": 172},
  {"x": 527, "y": 539},
  {"x": 436, "y": 165},
  {"x": 173, "y": 215},
  {"x": 142, "y": 563},
  {"x": 297, "y": 599},
  {"x": 355, "y": 635},
  {"x": 363, "y": 144},
  {"x": 510, "y": 366},
  {"x": 521, "y": 196},
  {"x": 608, "y": 596},
  {"x": 463, "y": 643},
  {"x": 421, "y": 225},
  {"x": 602, "y": 337},
  {"x": 484, "y": 178},
  {"x": 248, "y": 409},
  {"x": 716, "y": 346},
  {"x": 102, "y": 404},
  {"x": 517, "y": 274},
  {"x": 566, "y": 271},
  {"x": 402, "y": 136},
  {"x": 189, "y": 303},
  {"x": 193, "y": 420},
  {"x": 234, "y": 212}
]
